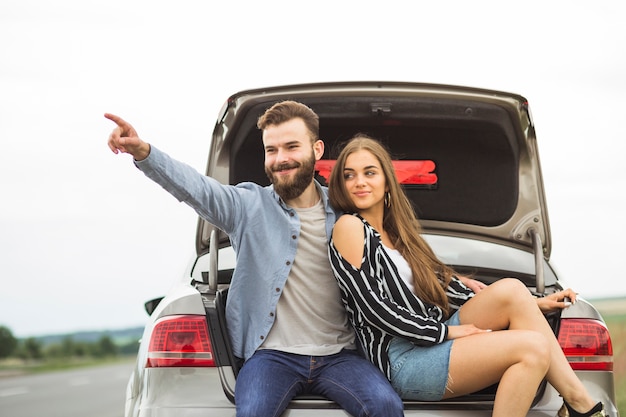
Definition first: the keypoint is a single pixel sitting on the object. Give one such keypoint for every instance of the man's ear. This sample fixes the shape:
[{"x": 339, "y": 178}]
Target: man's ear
[{"x": 318, "y": 149}]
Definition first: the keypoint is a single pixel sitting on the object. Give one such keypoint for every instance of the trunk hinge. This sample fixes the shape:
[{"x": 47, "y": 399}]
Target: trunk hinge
[
  {"x": 213, "y": 258},
  {"x": 540, "y": 285}
]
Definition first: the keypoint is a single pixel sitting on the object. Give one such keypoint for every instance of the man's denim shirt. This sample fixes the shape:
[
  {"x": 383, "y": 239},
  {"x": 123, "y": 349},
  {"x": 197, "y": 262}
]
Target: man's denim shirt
[{"x": 263, "y": 231}]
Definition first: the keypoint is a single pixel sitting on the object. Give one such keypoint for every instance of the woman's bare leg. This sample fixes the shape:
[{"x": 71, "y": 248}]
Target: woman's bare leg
[
  {"x": 517, "y": 359},
  {"x": 508, "y": 304}
]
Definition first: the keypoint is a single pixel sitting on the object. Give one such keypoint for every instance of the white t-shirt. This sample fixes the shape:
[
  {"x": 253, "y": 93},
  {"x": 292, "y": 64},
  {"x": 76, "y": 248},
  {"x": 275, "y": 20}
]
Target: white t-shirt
[
  {"x": 403, "y": 267},
  {"x": 310, "y": 316}
]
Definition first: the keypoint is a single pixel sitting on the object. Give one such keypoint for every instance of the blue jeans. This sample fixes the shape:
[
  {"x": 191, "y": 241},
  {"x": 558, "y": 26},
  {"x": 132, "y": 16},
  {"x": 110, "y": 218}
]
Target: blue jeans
[{"x": 270, "y": 379}]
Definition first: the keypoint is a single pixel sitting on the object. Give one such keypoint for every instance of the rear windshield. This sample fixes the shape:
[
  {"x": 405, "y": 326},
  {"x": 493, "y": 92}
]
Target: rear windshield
[{"x": 471, "y": 147}]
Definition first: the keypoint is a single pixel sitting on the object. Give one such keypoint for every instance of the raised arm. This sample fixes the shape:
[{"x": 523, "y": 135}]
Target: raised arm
[{"x": 124, "y": 139}]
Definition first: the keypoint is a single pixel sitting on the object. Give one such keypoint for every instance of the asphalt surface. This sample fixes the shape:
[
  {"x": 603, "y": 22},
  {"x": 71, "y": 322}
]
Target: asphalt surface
[{"x": 95, "y": 391}]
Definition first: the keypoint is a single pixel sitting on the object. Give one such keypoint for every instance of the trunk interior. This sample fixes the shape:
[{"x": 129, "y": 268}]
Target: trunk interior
[{"x": 475, "y": 154}]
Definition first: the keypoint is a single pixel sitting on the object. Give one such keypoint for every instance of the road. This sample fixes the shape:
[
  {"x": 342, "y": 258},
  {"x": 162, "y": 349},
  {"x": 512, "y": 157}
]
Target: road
[{"x": 95, "y": 392}]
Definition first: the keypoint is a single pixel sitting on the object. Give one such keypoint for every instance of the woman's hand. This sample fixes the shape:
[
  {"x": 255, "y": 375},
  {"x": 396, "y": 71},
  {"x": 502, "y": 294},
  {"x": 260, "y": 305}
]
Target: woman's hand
[
  {"x": 556, "y": 301},
  {"x": 472, "y": 284},
  {"x": 463, "y": 330}
]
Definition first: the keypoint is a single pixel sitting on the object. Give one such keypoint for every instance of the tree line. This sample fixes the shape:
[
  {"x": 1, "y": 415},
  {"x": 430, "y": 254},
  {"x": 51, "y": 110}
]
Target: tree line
[{"x": 32, "y": 348}]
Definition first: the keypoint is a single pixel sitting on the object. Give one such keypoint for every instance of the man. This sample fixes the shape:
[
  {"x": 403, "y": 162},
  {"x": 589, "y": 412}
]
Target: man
[{"x": 284, "y": 310}]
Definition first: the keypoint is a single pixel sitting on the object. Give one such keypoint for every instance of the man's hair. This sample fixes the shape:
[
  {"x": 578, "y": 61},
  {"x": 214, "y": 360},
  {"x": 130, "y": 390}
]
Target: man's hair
[{"x": 286, "y": 110}]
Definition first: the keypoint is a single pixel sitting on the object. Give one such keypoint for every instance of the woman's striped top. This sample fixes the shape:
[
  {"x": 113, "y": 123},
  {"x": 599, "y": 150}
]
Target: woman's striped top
[{"x": 381, "y": 306}]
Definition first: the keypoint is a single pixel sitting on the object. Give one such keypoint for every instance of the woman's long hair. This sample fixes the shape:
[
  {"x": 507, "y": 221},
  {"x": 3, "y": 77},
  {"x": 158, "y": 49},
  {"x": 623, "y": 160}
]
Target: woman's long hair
[{"x": 430, "y": 275}]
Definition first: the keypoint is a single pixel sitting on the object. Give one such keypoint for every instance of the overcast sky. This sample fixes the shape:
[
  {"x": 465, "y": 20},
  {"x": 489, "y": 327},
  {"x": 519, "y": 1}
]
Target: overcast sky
[{"x": 86, "y": 239}]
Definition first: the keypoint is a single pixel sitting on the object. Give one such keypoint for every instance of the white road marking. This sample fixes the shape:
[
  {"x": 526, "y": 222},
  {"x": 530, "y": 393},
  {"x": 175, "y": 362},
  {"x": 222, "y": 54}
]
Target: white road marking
[{"x": 13, "y": 391}]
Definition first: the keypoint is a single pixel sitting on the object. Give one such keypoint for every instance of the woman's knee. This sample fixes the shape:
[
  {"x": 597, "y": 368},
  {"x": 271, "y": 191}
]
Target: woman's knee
[
  {"x": 511, "y": 286},
  {"x": 513, "y": 292},
  {"x": 536, "y": 350}
]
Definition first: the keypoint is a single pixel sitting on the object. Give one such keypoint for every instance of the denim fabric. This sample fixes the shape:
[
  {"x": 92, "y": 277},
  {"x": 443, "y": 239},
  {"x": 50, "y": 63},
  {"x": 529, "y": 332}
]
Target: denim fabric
[
  {"x": 263, "y": 231},
  {"x": 270, "y": 379},
  {"x": 421, "y": 372}
]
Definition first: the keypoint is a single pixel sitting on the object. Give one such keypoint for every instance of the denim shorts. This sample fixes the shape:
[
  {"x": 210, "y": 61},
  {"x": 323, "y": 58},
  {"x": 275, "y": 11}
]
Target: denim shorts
[{"x": 420, "y": 372}]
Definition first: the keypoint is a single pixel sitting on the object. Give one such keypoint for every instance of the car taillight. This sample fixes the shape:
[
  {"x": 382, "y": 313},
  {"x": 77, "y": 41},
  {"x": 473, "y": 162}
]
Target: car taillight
[
  {"x": 180, "y": 341},
  {"x": 587, "y": 344}
]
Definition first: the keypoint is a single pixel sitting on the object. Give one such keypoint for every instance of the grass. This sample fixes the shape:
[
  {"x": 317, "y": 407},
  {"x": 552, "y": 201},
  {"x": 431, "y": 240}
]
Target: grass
[{"x": 12, "y": 367}]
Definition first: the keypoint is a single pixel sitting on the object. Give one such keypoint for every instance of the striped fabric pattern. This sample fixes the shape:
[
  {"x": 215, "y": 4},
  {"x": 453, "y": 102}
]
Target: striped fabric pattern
[{"x": 380, "y": 306}]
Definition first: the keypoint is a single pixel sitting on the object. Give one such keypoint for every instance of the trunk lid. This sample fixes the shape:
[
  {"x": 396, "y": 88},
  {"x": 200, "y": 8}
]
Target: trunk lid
[{"x": 482, "y": 144}]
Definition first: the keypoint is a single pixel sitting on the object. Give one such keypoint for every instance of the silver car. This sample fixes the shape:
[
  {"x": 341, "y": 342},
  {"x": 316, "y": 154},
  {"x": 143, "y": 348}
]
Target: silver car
[{"x": 468, "y": 159}]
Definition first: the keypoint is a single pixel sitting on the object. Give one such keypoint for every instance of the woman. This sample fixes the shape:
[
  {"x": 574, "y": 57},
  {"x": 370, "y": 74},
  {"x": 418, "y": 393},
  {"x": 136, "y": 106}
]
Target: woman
[{"x": 428, "y": 332}]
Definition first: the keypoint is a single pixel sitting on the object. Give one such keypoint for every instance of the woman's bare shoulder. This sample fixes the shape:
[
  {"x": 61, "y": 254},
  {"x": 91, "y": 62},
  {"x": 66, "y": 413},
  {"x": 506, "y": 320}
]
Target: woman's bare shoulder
[
  {"x": 348, "y": 223},
  {"x": 348, "y": 239}
]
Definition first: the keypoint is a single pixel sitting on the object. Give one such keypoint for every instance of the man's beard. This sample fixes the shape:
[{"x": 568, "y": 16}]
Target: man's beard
[{"x": 289, "y": 189}]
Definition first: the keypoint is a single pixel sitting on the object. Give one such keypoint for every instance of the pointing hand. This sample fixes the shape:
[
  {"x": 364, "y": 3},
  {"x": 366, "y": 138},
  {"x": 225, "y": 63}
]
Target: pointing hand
[{"x": 124, "y": 139}]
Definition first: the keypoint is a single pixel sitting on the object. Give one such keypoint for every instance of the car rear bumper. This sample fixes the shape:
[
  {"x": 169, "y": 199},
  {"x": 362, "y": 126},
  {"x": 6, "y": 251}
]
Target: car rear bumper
[{"x": 191, "y": 392}]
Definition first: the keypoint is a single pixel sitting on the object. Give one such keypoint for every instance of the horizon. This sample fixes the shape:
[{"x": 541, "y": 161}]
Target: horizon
[{"x": 615, "y": 305}]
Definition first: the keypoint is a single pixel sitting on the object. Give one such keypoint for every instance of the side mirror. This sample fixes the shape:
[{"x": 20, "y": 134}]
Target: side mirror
[{"x": 151, "y": 305}]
